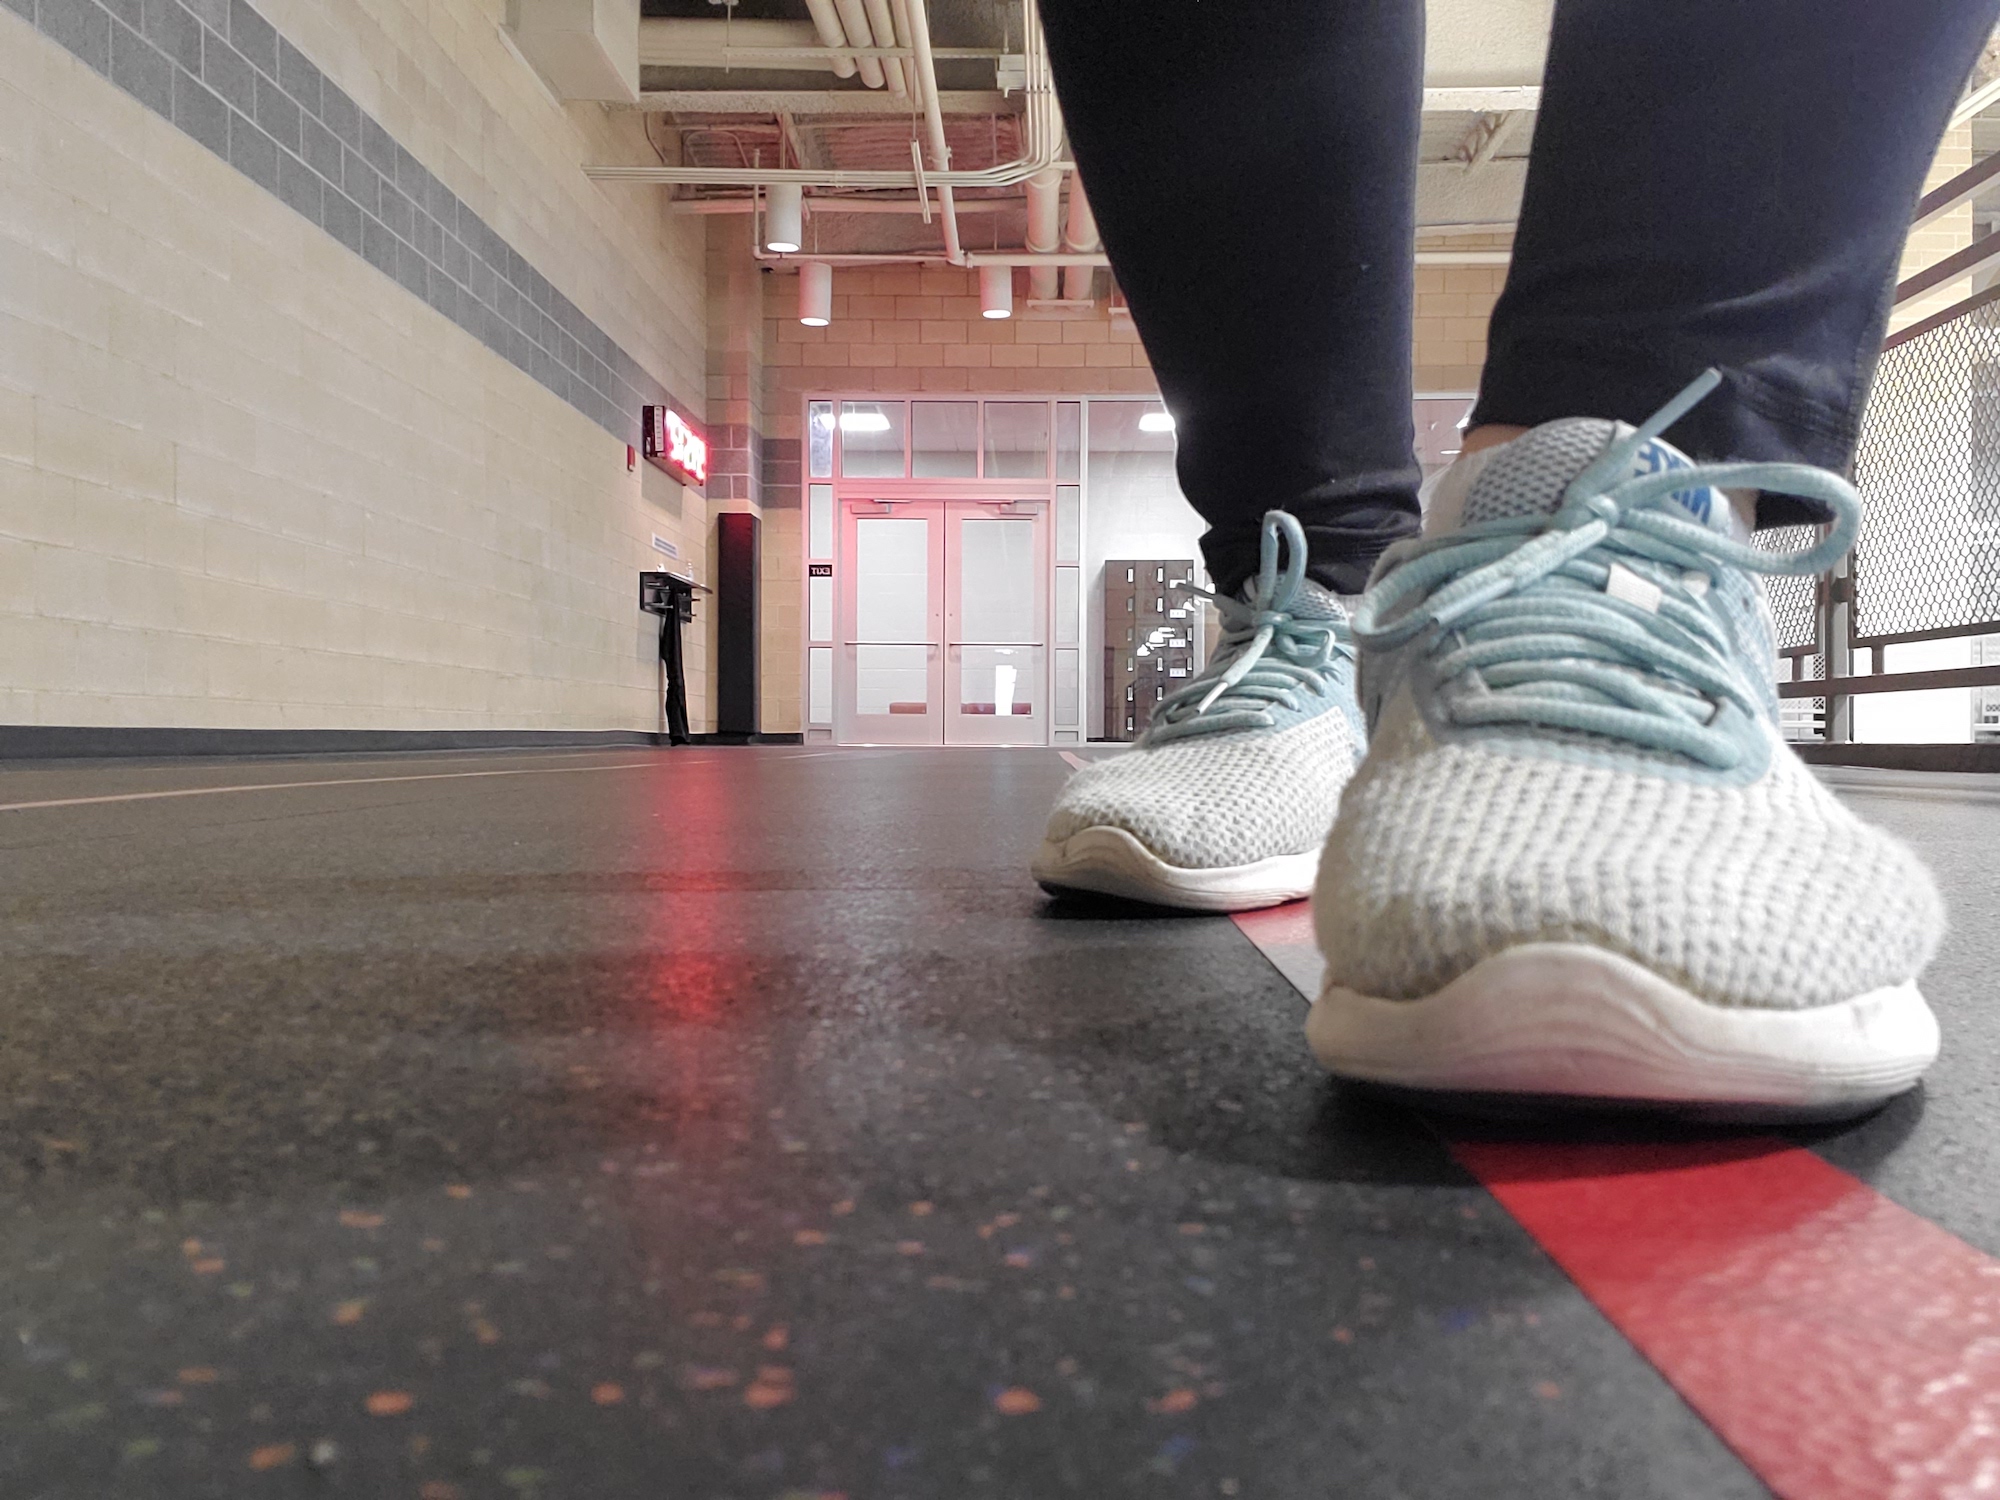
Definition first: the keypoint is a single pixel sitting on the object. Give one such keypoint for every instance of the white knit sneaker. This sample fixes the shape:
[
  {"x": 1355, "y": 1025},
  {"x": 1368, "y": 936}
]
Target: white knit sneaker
[
  {"x": 1223, "y": 803},
  {"x": 1580, "y": 863}
]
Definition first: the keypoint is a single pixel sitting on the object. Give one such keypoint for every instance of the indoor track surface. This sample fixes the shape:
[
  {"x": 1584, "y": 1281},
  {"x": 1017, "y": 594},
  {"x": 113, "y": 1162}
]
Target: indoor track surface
[{"x": 726, "y": 1124}]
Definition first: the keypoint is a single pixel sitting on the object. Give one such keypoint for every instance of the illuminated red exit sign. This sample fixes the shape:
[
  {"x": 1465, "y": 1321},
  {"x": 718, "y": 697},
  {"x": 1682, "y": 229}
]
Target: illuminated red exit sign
[{"x": 675, "y": 446}]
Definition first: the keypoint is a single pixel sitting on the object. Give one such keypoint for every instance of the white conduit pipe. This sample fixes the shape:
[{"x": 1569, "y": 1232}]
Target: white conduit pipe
[
  {"x": 1042, "y": 118},
  {"x": 854, "y": 21},
  {"x": 973, "y": 258},
  {"x": 1044, "y": 231},
  {"x": 977, "y": 258},
  {"x": 831, "y": 34},
  {"x": 884, "y": 27},
  {"x": 927, "y": 86},
  {"x": 1067, "y": 259},
  {"x": 1079, "y": 238}
]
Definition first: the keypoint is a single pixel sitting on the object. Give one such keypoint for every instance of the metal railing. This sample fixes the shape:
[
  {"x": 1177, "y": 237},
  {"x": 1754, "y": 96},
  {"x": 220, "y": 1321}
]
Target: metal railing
[{"x": 1927, "y": 564}]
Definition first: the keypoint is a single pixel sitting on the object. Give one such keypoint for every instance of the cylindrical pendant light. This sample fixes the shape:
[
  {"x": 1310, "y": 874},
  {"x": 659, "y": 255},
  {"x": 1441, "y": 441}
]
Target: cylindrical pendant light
[
  {"x": 785, "y": 217},
  {"x": 996, "y": 291},
  {"x": 815, "y": 294}
]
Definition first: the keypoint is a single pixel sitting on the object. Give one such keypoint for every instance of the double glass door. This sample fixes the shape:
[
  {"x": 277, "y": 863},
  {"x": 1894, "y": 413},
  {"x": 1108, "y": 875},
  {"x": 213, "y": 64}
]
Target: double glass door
[{"x": 943, "y": 623}]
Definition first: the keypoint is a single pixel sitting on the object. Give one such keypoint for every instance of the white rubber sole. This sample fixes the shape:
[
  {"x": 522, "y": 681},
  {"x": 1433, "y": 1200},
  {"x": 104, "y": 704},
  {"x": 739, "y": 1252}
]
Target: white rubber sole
[
  {"x": 1110, "y": 862},
  {"x": 1566, "y": 1023}
]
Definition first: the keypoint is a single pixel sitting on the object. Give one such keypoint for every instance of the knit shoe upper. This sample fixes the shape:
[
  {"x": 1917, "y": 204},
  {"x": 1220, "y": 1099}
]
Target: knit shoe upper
[
  {"x": 1247, "y": 760},
  {"x": 1574, "y": 739}
]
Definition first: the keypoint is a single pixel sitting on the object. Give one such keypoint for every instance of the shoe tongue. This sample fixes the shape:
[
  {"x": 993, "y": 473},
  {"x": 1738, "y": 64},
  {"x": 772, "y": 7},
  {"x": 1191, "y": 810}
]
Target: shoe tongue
[{"x": 1527, "y": 476}]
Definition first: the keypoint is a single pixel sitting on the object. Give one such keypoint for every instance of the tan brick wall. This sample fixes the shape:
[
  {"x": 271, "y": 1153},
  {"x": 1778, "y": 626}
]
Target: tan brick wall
[
  {"x": 1941, "y": 237},
  {"x": 441, "y": 79},
  {"x": 248, "y": 481},
  {"x": 1453, "y": 304},
  {"x": 919, "y": 329}
]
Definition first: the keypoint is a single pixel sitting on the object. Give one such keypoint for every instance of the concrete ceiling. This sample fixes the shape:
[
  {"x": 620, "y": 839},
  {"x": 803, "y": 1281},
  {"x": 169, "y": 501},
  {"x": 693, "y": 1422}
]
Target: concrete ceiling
[{"x": 1474, "y": 160}]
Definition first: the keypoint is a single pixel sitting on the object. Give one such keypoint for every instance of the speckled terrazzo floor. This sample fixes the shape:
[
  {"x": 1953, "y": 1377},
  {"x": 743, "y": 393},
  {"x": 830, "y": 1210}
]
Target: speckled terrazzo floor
[{"x": 743, "y": 1125}]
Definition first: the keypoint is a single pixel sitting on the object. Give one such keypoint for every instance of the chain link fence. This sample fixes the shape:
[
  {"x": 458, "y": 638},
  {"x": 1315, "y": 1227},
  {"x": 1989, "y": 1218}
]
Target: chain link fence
[
  {"x": 1928, "y": 561},
  {"x": 1927, "y": 565}
]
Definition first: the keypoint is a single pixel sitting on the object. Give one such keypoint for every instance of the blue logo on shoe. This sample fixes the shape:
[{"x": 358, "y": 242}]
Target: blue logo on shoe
[{"x": 1657, "y": 458}]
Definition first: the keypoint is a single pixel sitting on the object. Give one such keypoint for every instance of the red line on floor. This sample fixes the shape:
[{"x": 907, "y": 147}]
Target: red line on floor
[
  {"x": 1284, "y": 935},
  {"x": 1844, "y": 1347}
]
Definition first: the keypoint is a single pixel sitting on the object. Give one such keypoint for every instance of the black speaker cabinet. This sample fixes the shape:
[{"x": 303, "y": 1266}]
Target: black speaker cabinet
[{"x": 736, "y": 623}]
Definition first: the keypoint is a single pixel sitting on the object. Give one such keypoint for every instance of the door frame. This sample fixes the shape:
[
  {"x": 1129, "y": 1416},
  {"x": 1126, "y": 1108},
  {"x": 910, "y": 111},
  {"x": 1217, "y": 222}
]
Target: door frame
[
  {"x": 943, "y": 724},
  {"x": 1062, "y": 650},
  {"x": 849, "y": 727},
  {"x": 962, "y": 729}
]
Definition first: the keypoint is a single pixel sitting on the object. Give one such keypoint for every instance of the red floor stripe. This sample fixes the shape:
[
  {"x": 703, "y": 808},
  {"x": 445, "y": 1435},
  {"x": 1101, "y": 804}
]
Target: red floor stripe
[
  {"x": 1844, "y": 1347},
  {"x": 1284, "y": 935}
]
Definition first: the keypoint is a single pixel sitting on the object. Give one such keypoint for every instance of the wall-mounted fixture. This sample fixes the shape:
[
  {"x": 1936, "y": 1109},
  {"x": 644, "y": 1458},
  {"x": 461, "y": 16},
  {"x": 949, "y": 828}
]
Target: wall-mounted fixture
[
  {"x": 671, "y": 597},
  {"x": 676, "y": 445}
]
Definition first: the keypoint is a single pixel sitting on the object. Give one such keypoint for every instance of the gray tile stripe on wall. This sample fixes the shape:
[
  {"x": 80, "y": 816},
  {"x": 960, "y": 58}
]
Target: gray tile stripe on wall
[{"x": 220, "y": 71}]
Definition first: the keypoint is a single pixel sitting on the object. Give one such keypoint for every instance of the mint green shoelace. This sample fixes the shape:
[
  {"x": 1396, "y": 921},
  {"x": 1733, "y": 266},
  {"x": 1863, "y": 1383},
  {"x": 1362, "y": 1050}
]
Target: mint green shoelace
[
  {"x": 1267, "y": 656},
  {"x": 1519, "y": 607}
]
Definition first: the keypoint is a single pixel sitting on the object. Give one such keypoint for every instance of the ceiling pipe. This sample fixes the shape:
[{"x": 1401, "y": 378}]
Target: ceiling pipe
[
  {"x": 1041, "y": 116},
  {"x": 973, "y": 259},
  {"x": 927, "y": 90},
  {"x": 854, "y": 21},
  {"x": 1079, "y": 238},
  {"x": 827, "y": 22},
  {"x": 845, "y": 102},
  {"x": 899, "y": 11},
  {"x": 976, "y": 258},
  {"x": 818, "y": 206},
  {"x": 883, "y": 25},
  {"x": 1044, "y": 231}
]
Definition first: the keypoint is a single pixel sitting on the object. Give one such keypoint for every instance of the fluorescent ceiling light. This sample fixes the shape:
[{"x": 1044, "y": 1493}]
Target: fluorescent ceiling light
[
  {"x": 870, "y": 419},
  {"x": 1156, "y": 421}
]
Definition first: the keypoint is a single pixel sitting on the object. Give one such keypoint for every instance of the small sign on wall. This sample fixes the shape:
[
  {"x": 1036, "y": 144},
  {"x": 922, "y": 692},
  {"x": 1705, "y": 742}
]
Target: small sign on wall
[
  {"x": 673, "y": 444},
  {"x": 819, "y": 570},
  {"x": 661, "y": 544}
]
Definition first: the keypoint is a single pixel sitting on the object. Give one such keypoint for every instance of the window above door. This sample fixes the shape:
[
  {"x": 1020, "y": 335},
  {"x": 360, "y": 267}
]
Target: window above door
[{"x": 1023, "y": 446}]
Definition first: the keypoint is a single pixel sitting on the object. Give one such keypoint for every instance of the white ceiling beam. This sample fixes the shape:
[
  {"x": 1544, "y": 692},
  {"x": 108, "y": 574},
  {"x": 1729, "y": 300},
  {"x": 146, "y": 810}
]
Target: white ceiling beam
[
  {"x": 1976, "y": 101},
  {"x": 1494, "y": 100},
  {"x": 1483, "y": 142},
  {"x": 1449, "y": 195}
]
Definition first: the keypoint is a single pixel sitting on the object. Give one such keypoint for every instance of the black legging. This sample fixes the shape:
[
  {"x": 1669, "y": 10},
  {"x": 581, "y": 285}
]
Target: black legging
[{"x": 1714, "y": 182}]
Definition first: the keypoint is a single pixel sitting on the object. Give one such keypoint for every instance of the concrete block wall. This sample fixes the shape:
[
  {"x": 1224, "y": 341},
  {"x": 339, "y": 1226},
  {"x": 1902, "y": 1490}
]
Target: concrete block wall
[
  {"x": 1941, "y": 237},
  {"x": 250, "y": 477},
  {"x": 1452, "y": 306}
]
